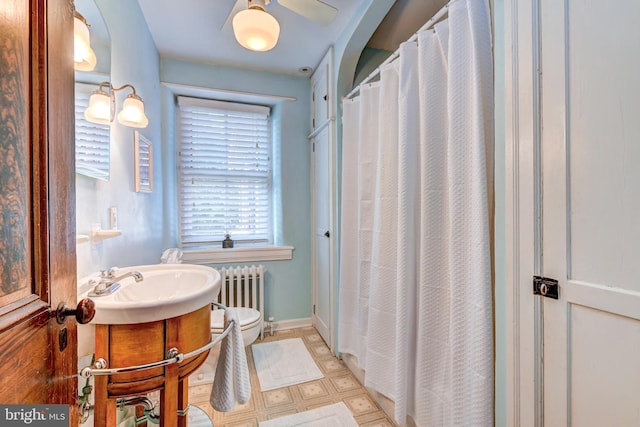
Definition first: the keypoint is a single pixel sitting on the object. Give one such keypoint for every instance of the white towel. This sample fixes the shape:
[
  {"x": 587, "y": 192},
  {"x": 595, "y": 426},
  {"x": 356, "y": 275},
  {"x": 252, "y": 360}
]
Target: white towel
[{"x": 231, "y": 384}]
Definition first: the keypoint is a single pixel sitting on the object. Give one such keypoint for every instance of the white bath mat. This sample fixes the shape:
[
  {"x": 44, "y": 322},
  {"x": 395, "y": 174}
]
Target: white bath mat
[
  {"x": 336, "y": 415},
  {"x": 284, "y": 363}
]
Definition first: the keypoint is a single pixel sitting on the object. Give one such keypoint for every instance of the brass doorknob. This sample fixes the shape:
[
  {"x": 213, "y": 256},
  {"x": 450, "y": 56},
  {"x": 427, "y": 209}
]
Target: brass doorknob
[{"x": 84, "y": 311}]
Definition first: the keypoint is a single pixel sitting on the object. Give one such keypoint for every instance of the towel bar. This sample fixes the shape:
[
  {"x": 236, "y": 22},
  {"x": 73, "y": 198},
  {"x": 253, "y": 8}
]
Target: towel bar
[{"x": 100, "y": 365}]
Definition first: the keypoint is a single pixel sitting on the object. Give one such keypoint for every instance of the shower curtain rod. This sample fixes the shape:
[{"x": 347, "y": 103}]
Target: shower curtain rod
[{"x": 430, "y": 23}]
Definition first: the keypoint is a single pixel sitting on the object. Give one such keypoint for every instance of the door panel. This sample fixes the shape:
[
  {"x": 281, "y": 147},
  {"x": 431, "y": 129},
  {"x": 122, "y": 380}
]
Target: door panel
[
  {"x": 320, "y": 96},
  {"x": 590, "y": 209},
  {"x": 591, "y": 342},
  {"x": 34, "y": 368},
  {"x": 322, "y": 272},
  {"x": 604, "y": 151}
]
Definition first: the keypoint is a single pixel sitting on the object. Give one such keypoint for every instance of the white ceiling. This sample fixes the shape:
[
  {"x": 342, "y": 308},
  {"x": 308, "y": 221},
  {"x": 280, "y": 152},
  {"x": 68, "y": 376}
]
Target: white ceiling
[{"x": 193, "y": 30}]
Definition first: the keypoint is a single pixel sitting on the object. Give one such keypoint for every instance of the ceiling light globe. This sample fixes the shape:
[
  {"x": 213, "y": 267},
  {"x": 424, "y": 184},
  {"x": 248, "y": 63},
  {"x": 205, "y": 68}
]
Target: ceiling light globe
[{"x": 256, "y": 29}]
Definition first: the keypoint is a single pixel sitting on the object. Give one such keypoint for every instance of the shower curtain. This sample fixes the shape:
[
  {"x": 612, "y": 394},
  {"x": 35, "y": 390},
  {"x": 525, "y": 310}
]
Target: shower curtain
[{"x": 415, "y": 301}]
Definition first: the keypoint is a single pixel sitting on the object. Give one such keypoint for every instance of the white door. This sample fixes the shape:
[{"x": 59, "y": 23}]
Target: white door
[
  {"x": 320, "y": 96},
  {"x": 322, "y": 235},
  {"x": 590, "y": 205}
]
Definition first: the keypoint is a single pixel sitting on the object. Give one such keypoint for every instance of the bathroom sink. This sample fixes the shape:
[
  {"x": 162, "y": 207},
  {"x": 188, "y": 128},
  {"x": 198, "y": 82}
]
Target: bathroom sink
[{"x": 166, "y": 291}]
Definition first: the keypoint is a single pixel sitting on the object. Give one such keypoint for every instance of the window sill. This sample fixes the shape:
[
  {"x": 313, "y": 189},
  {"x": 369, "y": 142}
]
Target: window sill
[{"x": 240, "y": 254}]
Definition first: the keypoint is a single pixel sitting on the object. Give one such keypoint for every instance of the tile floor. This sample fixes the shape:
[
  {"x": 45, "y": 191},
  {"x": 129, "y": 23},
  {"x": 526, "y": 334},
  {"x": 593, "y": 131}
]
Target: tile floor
[{"x": 337, "y": 385}]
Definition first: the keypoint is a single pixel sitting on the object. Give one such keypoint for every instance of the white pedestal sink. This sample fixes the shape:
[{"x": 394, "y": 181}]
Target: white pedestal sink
[{"x": 167, "y": 290}]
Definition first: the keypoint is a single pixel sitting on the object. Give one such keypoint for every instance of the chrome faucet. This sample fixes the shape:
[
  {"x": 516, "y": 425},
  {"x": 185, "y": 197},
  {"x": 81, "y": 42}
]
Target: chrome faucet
[
  {"x": 137, "y": 276},
  {"x": 108, "y": 283}
]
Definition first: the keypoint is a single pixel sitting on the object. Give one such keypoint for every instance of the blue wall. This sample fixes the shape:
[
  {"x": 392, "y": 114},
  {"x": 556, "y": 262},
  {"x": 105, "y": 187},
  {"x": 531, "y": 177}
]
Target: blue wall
[
  {"x": 134, "y": 60},
  {"x": 148, "y": 221},
  {"x": 288, "y": 283}
]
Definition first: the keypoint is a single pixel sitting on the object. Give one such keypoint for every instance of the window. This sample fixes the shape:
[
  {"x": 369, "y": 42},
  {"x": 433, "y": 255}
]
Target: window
[
  {"x": 92, "y": 140},
  {"x": 224, "y": 172}
]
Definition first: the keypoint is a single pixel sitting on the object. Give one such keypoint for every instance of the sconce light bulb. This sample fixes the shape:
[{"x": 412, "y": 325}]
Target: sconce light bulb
[
  {"x": 84, "y": 57},
  {"x": 100, "y": 108},
  {"x": 87, "y": 63},
  {"x": 132, "y": 113}
]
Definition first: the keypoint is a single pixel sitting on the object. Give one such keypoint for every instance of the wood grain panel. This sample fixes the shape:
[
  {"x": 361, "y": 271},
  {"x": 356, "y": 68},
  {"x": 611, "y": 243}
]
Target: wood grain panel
[
  {"x": 15, "y": 167},
  {"x": 133, "y": 345},
  {"x": 23, "y": 373}
]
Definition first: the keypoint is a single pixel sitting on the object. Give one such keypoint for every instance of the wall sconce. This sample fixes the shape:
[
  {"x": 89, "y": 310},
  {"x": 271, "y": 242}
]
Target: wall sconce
[
  {"x": 254, "y": 28},
  {"x": 102, "y": 106},
  {"x": 84, "y": 58}
]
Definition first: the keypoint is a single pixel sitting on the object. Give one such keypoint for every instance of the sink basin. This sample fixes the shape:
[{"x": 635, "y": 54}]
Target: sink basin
[{"x": 166, "y": 291}]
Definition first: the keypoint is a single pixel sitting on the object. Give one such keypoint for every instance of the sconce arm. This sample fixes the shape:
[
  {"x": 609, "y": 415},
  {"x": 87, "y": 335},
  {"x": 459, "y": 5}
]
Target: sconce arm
[
  {"x": 113, "y": 89},
  {"x": 133, "y": 89},
  {"x": 105, "y": 84}
]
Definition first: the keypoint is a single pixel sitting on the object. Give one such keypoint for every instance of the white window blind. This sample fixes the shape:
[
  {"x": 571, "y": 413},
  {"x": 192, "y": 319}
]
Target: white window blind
[
  {"x": 92, "y": 140},
  {"x": 224, "y": 172}
]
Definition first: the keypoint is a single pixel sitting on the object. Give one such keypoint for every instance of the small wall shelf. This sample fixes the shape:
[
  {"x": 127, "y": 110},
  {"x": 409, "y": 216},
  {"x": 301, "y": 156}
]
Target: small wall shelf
[
  {"x": 98, "y": 235},
  {"x": 82, "y": 238}
]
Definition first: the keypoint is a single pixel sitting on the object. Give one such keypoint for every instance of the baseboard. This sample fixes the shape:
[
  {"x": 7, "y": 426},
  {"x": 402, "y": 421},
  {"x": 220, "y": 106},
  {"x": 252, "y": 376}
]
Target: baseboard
[{"x": 281, "y": 325}]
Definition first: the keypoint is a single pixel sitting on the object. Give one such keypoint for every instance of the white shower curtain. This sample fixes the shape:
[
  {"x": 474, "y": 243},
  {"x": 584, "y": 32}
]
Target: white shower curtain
[{"x": 415, "y": 269}]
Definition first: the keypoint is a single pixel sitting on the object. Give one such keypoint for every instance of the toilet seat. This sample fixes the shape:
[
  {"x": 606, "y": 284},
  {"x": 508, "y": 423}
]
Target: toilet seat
[{"x": 248, "y": 317}]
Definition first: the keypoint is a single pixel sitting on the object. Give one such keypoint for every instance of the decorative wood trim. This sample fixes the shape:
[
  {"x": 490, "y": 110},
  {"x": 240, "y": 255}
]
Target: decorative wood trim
[{"x": 20, "y": 310}]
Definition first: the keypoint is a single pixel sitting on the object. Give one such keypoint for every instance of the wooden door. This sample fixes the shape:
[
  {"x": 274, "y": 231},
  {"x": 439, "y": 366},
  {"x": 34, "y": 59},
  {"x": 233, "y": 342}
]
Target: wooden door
[
  {"x": 590, "y": 205},
  {"x": 322, "y": 235},
  {"x": 38, "y": 356}
]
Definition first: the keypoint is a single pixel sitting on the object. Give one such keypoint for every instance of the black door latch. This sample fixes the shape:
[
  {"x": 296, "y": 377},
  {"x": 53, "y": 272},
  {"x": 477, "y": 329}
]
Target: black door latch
[{"x": 545, "y": 286}]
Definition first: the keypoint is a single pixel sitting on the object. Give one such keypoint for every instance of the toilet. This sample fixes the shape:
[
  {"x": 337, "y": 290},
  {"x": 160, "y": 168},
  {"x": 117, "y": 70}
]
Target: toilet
[
  {"x": 251, "y": 320},
  {"x": 250, "y": 323}
]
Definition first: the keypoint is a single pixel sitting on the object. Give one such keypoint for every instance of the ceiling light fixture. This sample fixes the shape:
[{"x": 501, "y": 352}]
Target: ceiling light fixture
[
  {"x": 84, "y": 58},
  {"x": 102, "y": 105},
  {"x": 254, "y": 28}
]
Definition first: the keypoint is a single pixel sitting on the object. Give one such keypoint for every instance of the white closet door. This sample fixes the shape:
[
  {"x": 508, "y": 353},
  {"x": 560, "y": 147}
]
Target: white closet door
[
  {"x": 322, "y": 235},
  {"x": 590, "y": 162},
  {"x": 320, "y": 95}
]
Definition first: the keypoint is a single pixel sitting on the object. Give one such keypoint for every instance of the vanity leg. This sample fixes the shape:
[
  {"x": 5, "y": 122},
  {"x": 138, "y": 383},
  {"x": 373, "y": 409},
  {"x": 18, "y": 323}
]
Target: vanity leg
[
  {"x": 169, "y": 397},
  {"x": 105, "y": 409},
  {"x": 183, "y": 402}
]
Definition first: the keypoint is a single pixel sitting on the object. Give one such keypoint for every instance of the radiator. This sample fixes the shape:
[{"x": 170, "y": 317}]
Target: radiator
[{"x": 243, "y": 286}]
